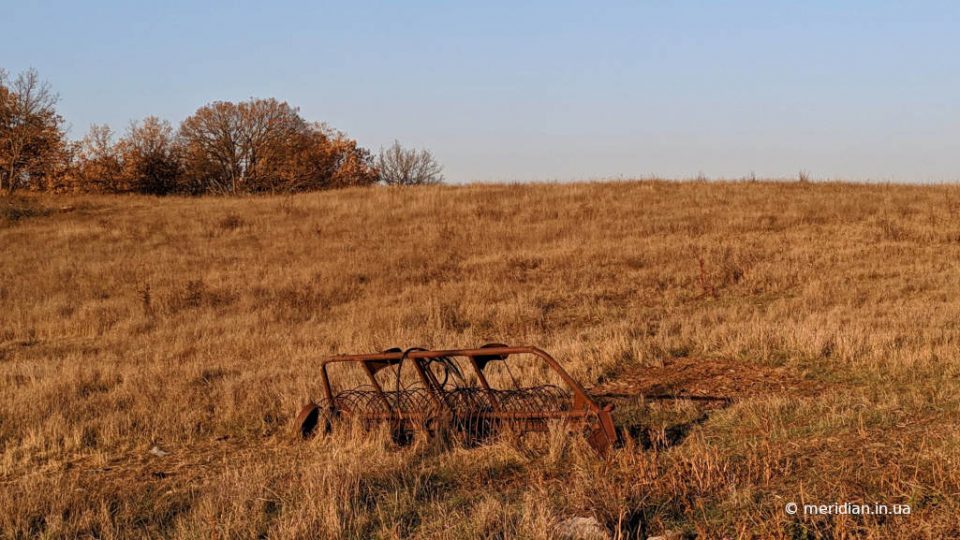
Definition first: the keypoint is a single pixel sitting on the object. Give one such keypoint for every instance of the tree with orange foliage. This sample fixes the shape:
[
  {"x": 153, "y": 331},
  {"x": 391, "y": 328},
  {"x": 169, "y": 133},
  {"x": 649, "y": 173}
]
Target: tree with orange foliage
[
  {"x": 33, "y": 150},
  {"x": 97, "y": 163},
  {"x": 259, "y": 145},
  {"x": 150, "y": 157},
  {"x": 352, "y": 165},
  {"x": 264, "y": 145}
]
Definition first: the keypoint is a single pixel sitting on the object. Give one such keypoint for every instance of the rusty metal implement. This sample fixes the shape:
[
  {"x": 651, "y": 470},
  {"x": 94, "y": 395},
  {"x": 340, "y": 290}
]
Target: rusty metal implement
[{"x": 429, "y": 391}]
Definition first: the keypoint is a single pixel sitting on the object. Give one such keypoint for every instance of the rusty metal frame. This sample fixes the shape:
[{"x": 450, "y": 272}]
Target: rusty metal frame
[{"x": 473, "y": 420}]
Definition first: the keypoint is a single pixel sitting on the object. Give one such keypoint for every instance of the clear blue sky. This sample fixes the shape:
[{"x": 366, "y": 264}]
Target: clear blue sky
[{"x": 537, "y": 90}]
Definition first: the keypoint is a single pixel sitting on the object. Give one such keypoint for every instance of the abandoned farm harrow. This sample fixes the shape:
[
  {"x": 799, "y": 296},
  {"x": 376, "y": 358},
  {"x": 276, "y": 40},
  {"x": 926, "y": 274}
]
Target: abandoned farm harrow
[{"x": 474, "y": 393}]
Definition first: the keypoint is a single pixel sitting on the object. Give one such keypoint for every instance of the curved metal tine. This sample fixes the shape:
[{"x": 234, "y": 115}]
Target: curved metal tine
[
  {"x": 506, "y": 364},
  {"x": 528, "y": 400},
  {"x": 552, "y": 397},
  {"x": 454, "y": 368},
  {"x": 509, "y": 400},
  {"x": 420, "y": 401},
  {"x": 540, "y": 401}
]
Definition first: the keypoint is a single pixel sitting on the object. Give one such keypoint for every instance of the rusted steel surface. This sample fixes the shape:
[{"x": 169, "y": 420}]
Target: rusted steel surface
[{"x": 419, "y": 390}]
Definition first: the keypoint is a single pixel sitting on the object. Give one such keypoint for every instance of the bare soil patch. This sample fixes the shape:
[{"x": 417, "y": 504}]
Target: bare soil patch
[{"x": 708, "y": 378}]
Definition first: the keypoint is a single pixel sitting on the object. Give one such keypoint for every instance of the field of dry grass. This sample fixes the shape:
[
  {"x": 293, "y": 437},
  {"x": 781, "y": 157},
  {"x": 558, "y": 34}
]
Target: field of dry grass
[{"x": 828, "y": 312}]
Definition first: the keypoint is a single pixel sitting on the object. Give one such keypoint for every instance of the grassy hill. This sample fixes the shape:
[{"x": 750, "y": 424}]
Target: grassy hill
[{"x": 827, "y": 312}]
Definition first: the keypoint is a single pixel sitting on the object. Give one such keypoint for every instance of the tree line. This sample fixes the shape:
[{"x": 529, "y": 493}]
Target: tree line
[{"x": 254, "y": 146}]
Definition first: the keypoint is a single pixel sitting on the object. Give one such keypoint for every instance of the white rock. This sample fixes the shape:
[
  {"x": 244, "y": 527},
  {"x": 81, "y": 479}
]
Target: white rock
[
  {"x": 667, "y": 535},
  {"x": 581, "y": 528}
]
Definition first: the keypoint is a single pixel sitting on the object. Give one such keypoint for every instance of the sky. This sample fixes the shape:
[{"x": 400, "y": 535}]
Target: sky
[{"x": 554, "y": 90}]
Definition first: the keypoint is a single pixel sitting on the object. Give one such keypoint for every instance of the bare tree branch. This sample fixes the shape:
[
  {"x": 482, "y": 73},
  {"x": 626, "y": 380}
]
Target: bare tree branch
[{"x": 400, "y": 166}]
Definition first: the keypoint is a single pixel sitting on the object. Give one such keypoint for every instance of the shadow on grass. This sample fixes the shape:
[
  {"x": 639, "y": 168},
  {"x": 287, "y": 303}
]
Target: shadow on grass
[{"x": 660, "y": 421}]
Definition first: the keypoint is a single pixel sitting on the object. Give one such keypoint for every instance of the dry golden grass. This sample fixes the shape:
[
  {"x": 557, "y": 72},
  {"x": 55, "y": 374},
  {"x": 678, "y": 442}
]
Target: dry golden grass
[{"x": 829, "y": 310}]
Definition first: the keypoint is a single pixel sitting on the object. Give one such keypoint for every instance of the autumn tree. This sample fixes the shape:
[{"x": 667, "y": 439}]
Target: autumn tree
[
  {"x": 317, "y": 157},
  {"x": 97, "y": 162},
  {"x": 260, "y": 145},
  {"x": 264, "y": 145},
  {"x": 150, "y": 157},
  {"x": 401, "y": 166},
  {"x": 32, "y": 144},
  {"x": 225, "y": 144}
]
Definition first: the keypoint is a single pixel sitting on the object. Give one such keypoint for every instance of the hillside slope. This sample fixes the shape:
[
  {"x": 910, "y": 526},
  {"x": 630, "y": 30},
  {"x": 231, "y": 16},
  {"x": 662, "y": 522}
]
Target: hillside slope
[{"x": 827, "y": 311}]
